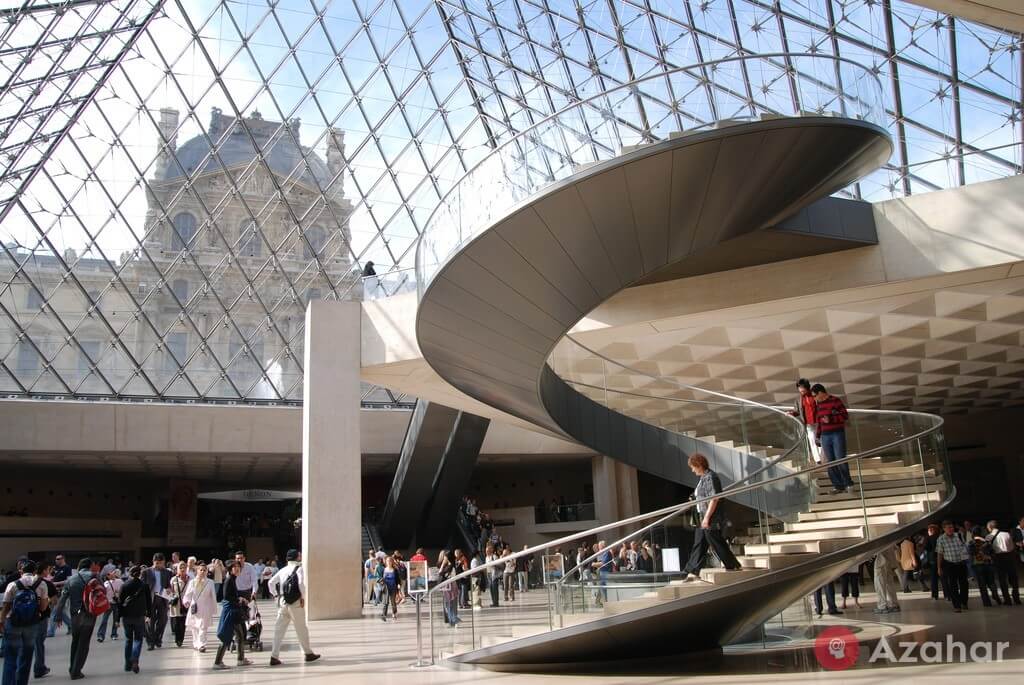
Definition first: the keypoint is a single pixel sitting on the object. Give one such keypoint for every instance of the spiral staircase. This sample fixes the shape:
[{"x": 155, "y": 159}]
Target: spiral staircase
[{"x": 577, "y": 210}]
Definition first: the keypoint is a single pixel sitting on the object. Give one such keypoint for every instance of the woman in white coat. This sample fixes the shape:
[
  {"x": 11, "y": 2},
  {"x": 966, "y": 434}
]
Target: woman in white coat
[{"x": 200, "y": 603}]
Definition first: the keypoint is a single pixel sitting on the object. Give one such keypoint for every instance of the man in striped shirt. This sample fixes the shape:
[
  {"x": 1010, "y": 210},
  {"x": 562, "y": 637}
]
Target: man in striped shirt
[
  {"x": 952, "y": 555},
  {"x": 831, "y": 417}
]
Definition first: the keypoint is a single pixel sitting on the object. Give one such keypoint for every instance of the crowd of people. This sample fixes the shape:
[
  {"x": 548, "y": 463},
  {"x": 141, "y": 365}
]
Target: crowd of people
[
  {"x": 142, "y": 600},
  {"x": 947, "y": 557}
]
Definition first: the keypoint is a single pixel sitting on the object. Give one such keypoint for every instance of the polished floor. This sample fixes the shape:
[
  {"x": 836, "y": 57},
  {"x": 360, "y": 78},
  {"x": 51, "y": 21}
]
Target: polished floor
[{"x": 369, "y": 651}]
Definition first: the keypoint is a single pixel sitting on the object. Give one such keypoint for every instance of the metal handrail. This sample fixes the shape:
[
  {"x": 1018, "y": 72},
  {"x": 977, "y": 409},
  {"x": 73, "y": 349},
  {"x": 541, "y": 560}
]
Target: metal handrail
[
  {"x": 626, "y": 86},
  {"x": 732, "y": 490}
]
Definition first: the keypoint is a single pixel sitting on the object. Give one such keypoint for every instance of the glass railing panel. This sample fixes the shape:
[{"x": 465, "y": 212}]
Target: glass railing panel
[
  {"x": 389, "y": 284},
  {"x": 637, "y": 390},
  {"x": 578, "y": 593}
]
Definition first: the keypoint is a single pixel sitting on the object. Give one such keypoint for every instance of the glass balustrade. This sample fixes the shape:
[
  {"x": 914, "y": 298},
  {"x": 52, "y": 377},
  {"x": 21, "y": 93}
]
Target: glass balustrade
[
  {"x": 899, "y": 465},
  {"x": 672, "y": 103}
]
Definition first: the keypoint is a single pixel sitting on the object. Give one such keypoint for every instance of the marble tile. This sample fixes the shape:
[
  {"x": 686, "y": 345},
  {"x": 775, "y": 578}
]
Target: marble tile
[{"x": 365, "y": 650}]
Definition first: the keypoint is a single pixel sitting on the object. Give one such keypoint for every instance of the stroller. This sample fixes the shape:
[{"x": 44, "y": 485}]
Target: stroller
[{"x": 253, "y": 629}]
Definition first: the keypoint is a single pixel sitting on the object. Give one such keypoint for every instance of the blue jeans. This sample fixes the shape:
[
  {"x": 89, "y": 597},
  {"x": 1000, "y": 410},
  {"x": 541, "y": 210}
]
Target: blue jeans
[
  {"x": 19, "y": 644},
  {"x": 134, "y": 635},
  {"x": 65, "y": 618},
  {"x": 40, "y": 664},
  {"x": 833, "y": 447},
  {"x": 103, "y": 623}
]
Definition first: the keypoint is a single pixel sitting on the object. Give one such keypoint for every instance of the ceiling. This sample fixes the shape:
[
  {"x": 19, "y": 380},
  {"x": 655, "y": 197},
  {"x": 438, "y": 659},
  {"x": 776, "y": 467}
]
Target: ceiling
[
  {"x": 397, "y": 99},
  {"x": 942, "y": 350}
]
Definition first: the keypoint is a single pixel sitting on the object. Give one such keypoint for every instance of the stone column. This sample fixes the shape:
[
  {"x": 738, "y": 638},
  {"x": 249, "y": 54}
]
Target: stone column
[
  {"x": 615, "y": 493},
  {"x": 331, "y": 468}
]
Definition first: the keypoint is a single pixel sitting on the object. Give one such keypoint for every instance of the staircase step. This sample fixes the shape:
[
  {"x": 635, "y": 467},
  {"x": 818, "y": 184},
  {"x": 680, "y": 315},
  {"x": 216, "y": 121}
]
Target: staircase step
[
  {"x": 774, "y": 562},
  {"x": 677, "y": 591},
  {"x": 890, "y": 483},
  {"x": 856, "y": 532},
  {"x": 854, "y": 494},
  {"x": 576, "y": 619},
  {"x": 895, "y": 519},
  {"x": 878, "y": 501},
  {"x": 829, "y": 534},
  {"x": 851, "y": 512},
  {"x": 722, "y": 576},
  {"x": 634, "y": 604},
  {"x": 884, "y": 469},
  {"x": 867, "y": 477},
  {"x": 809, "y": 547}
]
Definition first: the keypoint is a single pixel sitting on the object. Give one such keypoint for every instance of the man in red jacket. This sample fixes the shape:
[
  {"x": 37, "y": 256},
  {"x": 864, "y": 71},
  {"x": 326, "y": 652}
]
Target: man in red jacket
[{"x": 831, "y": 417}]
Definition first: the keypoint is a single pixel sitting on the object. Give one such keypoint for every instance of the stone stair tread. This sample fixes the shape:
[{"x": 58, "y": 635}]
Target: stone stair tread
[
  {"x": 830, "y": 534},
  {"x": 875, "y": 501},
  {"x": 722, "y": 576},
  {"x": 825, "y": 524},
  {"x": 849, "y": 512},
  {"x": 815, "y": 546},
  {"x": 775, "y": 561}
]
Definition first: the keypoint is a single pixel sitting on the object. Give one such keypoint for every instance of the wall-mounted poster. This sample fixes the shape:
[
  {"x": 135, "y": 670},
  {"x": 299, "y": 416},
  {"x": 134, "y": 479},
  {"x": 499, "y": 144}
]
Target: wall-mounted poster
[
  {"x": 417, "y": 577},
  {"x": 554, "y": 567}
]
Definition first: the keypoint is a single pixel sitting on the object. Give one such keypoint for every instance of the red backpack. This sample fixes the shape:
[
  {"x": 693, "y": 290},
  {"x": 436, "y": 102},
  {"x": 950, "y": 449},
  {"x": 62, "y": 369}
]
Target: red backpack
[{"x": 95, "y": 598}]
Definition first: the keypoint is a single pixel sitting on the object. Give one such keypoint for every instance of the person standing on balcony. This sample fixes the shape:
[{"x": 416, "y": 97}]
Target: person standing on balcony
[
  {"x": 805, "y": 409},
  {"x": 952, "y": 554},
  {"x": 831, "y": 417},
  {"x": 711, "y": 520}
]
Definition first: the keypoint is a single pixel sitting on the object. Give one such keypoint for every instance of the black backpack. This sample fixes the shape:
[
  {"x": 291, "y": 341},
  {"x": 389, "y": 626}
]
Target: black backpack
[
  {"x": 291, "y": 592},
  {"x": 130, "y": 600}
]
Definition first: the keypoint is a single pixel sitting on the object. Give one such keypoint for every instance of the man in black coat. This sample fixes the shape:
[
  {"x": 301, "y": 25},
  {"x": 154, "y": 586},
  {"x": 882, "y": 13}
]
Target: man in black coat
[{"x": 158, "y": 579}]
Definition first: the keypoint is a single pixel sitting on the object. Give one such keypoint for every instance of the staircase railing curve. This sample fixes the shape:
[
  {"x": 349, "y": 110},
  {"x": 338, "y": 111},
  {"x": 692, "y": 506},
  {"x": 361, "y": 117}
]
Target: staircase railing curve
[{"x": 857, "y": 93}]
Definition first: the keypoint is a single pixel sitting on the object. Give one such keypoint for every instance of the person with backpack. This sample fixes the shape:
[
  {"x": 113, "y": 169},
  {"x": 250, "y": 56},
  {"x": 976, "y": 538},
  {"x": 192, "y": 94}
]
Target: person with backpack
[
  {"x": 21, "y": 619},
  {"x": 86, "y": 598},
  {"x": 40, "y": 669},
  {"x": 112, "y": 585},
  {"x": 135, "y": 607},
  {"x": 980, "y": 549},
  {"x": 288, "y": 588},
  {"x": 200, "y": 603}
]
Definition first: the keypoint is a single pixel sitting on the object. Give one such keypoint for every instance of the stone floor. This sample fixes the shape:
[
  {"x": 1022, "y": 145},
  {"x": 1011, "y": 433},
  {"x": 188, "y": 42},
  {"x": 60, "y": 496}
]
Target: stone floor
[{"x": 369, "y": 651}]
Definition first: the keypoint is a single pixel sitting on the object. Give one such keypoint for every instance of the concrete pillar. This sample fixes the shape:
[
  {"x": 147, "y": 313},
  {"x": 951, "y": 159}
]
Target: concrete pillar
[
  {"x": 616, "y": 495},
  {"x": 606, "y": 504},
  {"x": 331, "y": 469},
  {"x": 628, "y": 492}
]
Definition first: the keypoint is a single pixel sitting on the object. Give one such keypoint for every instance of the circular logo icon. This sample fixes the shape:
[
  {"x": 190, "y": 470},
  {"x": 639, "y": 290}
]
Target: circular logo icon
[{"x": 836, "y": 648}]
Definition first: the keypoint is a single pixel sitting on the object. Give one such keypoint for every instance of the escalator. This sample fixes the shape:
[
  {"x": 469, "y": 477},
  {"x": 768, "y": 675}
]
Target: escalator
[{"x": 439, "y": 452}]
